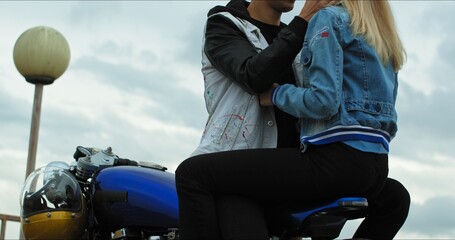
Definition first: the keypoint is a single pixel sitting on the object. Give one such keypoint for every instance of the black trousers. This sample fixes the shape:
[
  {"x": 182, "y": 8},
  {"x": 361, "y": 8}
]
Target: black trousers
[
  {"x": 243, "y": 218},
  {"x": 274, "y": 176}
]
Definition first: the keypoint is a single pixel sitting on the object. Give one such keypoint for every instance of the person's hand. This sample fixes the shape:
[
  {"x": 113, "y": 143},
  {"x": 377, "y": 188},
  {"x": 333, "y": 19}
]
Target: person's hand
[
  {"x": 311, "y": 7},
  {"x": 265, "y": 98}
]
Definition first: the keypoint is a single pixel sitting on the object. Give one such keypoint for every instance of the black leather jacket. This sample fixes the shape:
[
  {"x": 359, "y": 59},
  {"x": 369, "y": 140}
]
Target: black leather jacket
[{"x": 231, "y": 53}]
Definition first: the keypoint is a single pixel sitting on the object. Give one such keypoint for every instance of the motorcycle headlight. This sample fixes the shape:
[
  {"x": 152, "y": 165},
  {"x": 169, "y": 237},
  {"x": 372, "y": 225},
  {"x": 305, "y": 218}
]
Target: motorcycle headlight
[{"x": 52, "y": 204}]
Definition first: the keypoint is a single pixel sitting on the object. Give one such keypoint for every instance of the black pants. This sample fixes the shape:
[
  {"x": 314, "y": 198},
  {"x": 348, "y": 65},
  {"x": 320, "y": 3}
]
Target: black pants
[
  {"x": 245, "y": 219},
  {"x": 275, "y": 176}
]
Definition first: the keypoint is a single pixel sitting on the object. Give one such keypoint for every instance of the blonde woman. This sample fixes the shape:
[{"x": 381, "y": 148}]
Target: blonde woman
[{"x": 346, "y": 105}]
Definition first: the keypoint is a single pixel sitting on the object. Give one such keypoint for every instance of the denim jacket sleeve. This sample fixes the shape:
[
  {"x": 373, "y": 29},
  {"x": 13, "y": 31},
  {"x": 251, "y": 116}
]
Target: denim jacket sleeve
[{"x": 322, "y": 58}]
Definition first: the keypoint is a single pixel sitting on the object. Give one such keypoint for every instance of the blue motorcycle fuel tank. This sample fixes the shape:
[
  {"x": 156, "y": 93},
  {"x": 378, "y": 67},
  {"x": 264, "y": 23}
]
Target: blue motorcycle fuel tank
[{"x": 135, "y": 196}]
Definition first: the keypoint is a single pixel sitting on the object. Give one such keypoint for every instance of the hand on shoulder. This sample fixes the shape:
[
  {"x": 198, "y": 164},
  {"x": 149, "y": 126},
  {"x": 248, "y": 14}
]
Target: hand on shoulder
[{"x": 311, "y": 7}]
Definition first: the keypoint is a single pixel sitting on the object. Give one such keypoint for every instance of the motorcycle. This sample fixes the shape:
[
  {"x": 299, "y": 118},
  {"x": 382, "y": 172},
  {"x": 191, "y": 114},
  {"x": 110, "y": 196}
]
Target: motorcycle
[{"x": 101, "y": 196}]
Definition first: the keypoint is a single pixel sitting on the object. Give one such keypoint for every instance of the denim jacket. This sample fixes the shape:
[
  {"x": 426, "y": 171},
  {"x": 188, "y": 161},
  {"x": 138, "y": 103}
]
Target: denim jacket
[{"x": 345, "y": 93}]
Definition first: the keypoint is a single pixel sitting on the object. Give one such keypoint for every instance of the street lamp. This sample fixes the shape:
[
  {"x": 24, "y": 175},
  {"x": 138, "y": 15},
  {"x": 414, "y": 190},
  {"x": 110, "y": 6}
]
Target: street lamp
[{"x": 41, "y": 54}]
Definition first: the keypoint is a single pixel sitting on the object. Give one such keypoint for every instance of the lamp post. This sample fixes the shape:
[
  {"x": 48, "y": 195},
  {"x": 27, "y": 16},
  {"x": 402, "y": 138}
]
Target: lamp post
[{"x": 41, "y": 54}]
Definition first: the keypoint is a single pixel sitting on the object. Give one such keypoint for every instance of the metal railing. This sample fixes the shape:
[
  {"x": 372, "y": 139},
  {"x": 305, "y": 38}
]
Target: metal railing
[{"x": 4, "y": 218}]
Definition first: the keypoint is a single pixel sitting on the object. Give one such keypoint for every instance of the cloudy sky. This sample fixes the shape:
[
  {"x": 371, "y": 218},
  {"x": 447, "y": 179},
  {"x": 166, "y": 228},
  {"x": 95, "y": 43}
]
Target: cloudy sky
[{"x": 134, "y": 84}]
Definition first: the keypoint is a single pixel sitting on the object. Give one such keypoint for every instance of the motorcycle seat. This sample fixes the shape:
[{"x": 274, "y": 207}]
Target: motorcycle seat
[{"x": 326, "y": 220}]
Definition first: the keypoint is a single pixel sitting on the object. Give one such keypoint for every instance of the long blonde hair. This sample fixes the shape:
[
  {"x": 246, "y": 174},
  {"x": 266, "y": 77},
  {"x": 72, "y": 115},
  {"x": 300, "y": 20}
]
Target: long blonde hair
[{"x": 373, "y": 19}]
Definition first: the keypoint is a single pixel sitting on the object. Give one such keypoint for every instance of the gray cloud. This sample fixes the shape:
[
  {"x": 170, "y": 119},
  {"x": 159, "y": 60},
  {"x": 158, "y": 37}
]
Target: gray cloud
[
  {"x": 432, "y": 218},
  {"x": 13, "y": 109},
  {"x": 425, "y": 123},
  {"x": 439, "y": 20},
  {"x": 193, "y": 41},
  {"x": 444, "y": 67},
  {"x": 426, "y": 120},
  {"x": 160, "y": 87},
  {"x": 94, "y": 13}
]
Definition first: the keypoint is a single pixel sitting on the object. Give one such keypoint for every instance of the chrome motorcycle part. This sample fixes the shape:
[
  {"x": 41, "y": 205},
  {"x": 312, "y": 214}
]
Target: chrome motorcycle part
[
  {"x": 173, "y": 234},
  {"x": 126, "y": 233},
  {"x": 93, "y": 160},
  {"x": 152, "y": 165}
]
